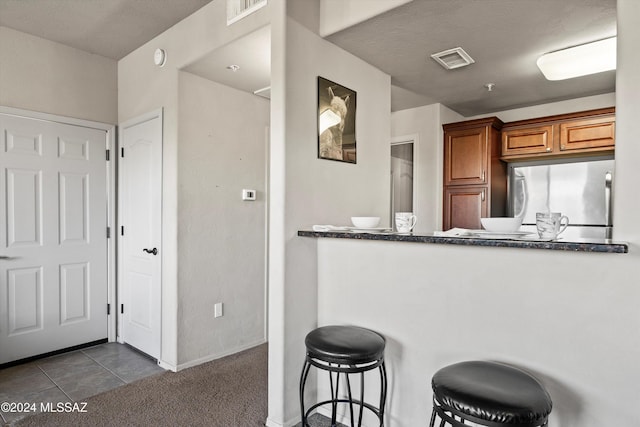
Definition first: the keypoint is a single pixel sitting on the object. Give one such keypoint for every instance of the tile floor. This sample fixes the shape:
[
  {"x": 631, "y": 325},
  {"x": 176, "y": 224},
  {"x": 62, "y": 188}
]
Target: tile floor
[{"x": 72, "y": 377}]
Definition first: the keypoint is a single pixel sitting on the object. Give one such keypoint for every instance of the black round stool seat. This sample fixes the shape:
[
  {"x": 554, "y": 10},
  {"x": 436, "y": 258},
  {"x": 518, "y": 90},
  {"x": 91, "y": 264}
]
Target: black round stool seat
[
  {"x": 345, "y": 344},
  {"x": 491, "y": 394},
  {"x": 345, "y": 350}
]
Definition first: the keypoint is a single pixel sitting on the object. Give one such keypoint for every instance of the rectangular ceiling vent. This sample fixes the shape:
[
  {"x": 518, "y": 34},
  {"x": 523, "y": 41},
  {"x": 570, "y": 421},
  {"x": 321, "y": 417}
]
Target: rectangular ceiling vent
[
  {"x": 453, "y": 58},
  {"x": 238, "y": 9}
]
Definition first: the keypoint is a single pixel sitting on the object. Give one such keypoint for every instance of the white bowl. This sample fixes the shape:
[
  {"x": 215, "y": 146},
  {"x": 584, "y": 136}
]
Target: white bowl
[
  {"x": 502, "y": 225},
  {"x": 365, "y": 221}
]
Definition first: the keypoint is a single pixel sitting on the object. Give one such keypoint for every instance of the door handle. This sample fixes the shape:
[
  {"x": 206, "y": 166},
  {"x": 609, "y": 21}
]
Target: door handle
[
  {"x": 153, "y": 251},
  {"x": 5, "y": 257}
]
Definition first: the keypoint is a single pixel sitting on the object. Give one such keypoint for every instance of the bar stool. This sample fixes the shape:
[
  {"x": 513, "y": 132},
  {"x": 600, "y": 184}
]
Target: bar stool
[
  {"x": 489, "y": 394},
  {"x": 345, "y": 350}
]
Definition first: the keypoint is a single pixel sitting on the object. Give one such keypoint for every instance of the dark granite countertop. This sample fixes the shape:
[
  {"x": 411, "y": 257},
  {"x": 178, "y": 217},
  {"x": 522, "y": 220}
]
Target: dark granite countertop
[{"x": 582, "y": 245}]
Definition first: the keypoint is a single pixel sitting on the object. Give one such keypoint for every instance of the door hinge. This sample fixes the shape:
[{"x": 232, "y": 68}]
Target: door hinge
[
  {"x": 121, "y": 308},
  {"x": 122, "y": 152},
  {"x": 108, "y": 309},
  {"x": 108, "y": 232},
  {"x": 108, "y": 155}
]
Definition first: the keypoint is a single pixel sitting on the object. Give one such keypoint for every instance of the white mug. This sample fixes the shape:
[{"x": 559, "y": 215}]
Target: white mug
[
  {"x": 405, "y": 221},
  {"x": 550, "y": 224}
]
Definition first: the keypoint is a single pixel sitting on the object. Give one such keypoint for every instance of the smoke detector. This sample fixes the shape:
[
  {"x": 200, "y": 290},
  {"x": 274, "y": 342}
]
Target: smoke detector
[{"x": 453, "y": 58}]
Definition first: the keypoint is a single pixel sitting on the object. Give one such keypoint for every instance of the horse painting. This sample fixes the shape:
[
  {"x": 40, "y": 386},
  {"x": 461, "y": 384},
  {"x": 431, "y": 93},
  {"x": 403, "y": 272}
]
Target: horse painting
[{"x": 333, "y": 118}]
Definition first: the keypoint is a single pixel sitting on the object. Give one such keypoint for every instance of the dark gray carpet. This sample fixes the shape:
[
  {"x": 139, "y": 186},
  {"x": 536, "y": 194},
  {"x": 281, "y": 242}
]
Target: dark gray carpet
[{"x": 228, "y": 392}]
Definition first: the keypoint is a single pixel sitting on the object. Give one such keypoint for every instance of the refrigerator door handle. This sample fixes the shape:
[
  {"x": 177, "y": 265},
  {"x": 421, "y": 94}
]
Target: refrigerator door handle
[
  {"x": 608, "y": 179},
  {"x": 521, "y": 190}
]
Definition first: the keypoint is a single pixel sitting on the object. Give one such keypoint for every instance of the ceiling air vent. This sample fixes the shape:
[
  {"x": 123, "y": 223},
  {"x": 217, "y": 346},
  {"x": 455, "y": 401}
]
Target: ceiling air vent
[
  {"x": 238, "y": 9},
  {"x": 453, "y": 58}
]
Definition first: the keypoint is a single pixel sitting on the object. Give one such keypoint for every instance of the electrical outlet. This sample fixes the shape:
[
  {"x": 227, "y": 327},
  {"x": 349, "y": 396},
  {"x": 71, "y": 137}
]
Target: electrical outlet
[{"x": 217, "y": 310}]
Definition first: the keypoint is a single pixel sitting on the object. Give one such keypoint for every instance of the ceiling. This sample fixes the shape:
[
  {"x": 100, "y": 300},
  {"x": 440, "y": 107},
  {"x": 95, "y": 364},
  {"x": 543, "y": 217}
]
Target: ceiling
[
  {"x": 111, "y": 28},
  {"x": 504, "y": 37},
  {"x": 252, "y": 55}
]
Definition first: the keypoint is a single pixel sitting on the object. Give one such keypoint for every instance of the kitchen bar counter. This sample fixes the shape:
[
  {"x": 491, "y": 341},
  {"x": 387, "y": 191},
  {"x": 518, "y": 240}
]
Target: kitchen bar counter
[{"x": 579, "y": 245}]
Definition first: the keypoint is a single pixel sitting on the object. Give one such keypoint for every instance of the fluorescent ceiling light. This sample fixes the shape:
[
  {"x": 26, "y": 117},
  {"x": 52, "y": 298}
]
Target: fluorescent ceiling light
[{"x": 580, "y": 60}]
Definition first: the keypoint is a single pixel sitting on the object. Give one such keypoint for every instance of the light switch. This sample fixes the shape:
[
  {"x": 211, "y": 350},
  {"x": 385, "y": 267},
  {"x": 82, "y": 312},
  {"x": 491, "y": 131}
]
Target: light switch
[{"x": 248, "y": 194}]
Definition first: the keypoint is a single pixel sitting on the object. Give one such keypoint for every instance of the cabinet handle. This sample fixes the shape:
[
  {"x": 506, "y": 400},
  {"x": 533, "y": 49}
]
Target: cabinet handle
[
  {"x": 483, "y": 176},
  {"x": 482, "y": 196},
  {"x": 549, "y": 148}
]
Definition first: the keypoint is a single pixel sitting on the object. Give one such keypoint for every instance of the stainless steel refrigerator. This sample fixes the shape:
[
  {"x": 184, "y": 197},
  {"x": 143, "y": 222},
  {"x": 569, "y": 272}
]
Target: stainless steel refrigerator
[{"x": 581, "y": 190}]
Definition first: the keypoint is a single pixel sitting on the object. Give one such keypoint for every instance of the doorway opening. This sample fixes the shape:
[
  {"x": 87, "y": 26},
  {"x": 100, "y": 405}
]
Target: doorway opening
[{"x": 402, "y": 171}]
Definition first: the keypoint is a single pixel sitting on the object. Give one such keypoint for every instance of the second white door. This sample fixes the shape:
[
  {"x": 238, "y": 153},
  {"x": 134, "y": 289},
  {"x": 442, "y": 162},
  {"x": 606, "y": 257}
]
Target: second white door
[{"x": 140, "y": 246}]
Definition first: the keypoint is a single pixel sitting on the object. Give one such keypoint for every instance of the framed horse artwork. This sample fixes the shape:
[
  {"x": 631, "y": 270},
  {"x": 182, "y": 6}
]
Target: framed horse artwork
[{"x": 336, "y": 122}]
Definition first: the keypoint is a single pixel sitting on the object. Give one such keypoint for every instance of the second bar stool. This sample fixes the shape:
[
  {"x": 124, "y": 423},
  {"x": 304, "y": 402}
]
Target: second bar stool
[
  {"x": 488, "y": 394},
  {"x": 345, "y": 350}
]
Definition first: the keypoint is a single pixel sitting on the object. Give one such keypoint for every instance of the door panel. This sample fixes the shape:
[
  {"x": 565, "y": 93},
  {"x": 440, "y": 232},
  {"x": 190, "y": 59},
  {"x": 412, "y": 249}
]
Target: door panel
[
  {"x": 24, "y": 211},
  {"x": 74, "y": 208},
  {"x": 74, "y": 293},
  {"x": 140, "y": 216},
  {"x": 464, "y": 206},
  {"x": 53, "y": 197},
  {"x": 466, "y": 157},
  {"x": 24, "y": 300}
]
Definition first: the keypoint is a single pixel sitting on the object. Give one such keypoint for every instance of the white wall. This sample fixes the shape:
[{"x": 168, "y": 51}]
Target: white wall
[
  {"x": 221, "y": 238},
  {"x": 336, "y": 15},
  {"x": 569, "y": 318},
  {"x": 316, "y": 191},
  {"x": 560, "y": 107},
  {"x": 627, "y": 203},
  {"x": 143, "y": 87},
  {"x": 44, "y": 76}
]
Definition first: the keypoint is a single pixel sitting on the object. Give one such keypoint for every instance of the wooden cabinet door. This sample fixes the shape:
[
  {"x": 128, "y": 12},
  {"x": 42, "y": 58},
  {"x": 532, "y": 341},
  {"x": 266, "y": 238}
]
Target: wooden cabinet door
[
  {"x": 466, "y": 156},
  {"x": 595, "y": 133},
  {"x": 464, "y": 206},
  {"x": 532, "y": 140}
]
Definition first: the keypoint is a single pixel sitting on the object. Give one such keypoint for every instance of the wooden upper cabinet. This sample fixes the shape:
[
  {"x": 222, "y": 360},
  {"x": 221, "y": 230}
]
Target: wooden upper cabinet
[
  {"x": 467, "y": 157},
  {"x": 533, "y": 140},
  {"x": 566, "y": 135},
  {"x": 469, "y": 150},
  {"x": 588, "y": 134}
]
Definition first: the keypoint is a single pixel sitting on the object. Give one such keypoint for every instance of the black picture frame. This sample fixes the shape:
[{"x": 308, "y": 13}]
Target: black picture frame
[{"x": 336, "y": 122}]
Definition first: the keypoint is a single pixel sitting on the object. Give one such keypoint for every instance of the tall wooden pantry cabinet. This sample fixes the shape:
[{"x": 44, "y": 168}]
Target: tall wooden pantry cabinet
[{"x": 475, "y": 179}]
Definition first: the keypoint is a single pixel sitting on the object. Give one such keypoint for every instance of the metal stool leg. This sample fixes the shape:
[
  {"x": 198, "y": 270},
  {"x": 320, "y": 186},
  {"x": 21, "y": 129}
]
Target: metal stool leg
[
  {"x": 346, "y": 376},
  {"x": 361, "y": 399},
  {"x": 433, "y": 418},
  {"x": 334, "y": 397},
  {"x": 303, "y": 380},
  {"x": 383, "y": 391}
]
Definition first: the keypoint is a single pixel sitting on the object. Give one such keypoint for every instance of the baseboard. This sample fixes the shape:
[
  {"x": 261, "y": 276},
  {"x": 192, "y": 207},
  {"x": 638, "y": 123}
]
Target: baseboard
[
  {"x": 270, "y": 423},
  {"x": 211, "y": 357},
  {"x": 292, "y": 422},
  {"x": 167, "y": 366}
]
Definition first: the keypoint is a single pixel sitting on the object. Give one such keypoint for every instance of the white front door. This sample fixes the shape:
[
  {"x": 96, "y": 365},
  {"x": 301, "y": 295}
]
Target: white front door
[
  {"x": 140, "y": 246},
  {"x": 53, "y": 236}
]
